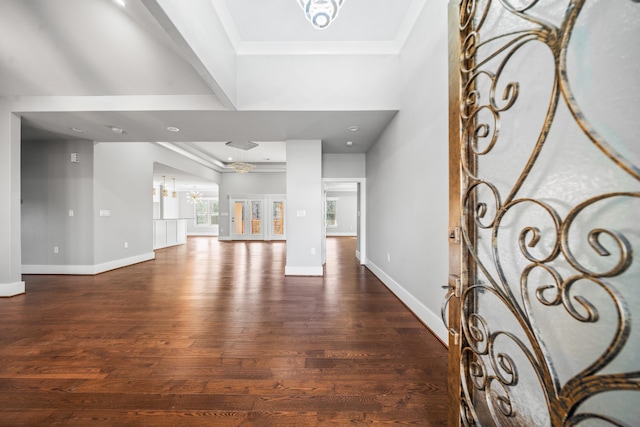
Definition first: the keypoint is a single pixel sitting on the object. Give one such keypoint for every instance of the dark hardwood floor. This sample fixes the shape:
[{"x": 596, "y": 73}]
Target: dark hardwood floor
[{"x": 212, "y": 333}]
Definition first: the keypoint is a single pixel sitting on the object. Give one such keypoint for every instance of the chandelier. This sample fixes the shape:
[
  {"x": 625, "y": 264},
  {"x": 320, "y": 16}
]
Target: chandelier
[
  {"x": 242, "y": 167},
  {"x": 242, "y": 147},
  {"x": 321, "y": 13},
  {"x": 193, "y": 197}
]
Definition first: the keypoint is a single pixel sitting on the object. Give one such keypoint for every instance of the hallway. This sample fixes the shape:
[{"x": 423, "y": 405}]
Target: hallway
[{"x": 212, "y": 333}]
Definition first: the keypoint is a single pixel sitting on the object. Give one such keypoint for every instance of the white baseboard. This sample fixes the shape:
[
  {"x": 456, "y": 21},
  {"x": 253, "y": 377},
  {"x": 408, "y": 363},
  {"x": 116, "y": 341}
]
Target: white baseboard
[
  {"x": 303, "y": 271},
  {"x": 205, "y": 234},
  {"x": 170, "y": 246},
  {"x": 341, "y": 234},
  {"x": 58, "y": 269},
  {"x": 11, "y": 289},
  {"x": 428, "y": 317},
  {"x": 86, "y": 269},
  {"x": 112, "y": 265},
  {"x": 224, "y": 238}
]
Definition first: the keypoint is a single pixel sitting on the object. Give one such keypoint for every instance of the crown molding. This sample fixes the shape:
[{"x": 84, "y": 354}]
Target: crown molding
[{"x": 318, "y": 48}]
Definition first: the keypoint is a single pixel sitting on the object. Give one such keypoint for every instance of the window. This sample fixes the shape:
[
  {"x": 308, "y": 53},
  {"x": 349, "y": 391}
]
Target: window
[
  {"x": 332, "y": 208},
  {"x": 206, "y": 212}
]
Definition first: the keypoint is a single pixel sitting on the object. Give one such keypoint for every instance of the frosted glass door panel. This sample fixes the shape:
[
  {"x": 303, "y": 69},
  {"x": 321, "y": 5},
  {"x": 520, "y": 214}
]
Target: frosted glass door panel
[
  {"x": 238, "y": 219},
  {"x": 277, "y": 219},
  {"x": 550, "y": 97},
  {"x": 256, "y": 218}
]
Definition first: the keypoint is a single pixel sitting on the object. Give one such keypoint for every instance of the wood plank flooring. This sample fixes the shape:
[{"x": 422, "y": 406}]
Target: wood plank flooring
[{"x": 212, "y": 333}]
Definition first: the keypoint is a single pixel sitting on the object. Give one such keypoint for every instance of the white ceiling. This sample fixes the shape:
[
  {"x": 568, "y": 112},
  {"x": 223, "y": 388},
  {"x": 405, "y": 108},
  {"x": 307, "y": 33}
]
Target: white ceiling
[
  {"x": 184, "y": 181},
  {"x": 98, "y": 48},
  {"x": 332, "y": 127},
  {"x": 284, "y": 22},
  {"x": 89, "y": 47}
]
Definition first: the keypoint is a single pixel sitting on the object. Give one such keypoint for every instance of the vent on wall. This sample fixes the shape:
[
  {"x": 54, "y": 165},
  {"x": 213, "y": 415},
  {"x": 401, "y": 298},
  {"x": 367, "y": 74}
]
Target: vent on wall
[{"x": 243, "y": 145}]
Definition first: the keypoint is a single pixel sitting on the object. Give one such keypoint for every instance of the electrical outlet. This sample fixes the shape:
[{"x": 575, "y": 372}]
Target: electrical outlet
[
  {"x": 313, "y": 251},
  {"x": 56, "y": 250},
  {"x": 70, "y": 212},
  {"x": 388, "y": 257},
  {"x": 126, "y": 245}
]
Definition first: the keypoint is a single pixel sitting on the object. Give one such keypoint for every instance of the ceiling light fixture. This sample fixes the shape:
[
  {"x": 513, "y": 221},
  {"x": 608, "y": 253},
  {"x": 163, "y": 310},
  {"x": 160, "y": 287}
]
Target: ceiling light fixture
[
  {"x": 165, "y": 193},
  {"x": 349, "y": 143},
  {"x": 354, "y": 128},
  {"x": 175, "y": 193},
  {"x": 193, "y": 196},
  {"x": 77, "y": 129},
  {"x": 241, "y": 166},
  {"x": 321, "y": 13},
  {"x": 173, "y": 129},
  {"x": 116, "y": 129}
]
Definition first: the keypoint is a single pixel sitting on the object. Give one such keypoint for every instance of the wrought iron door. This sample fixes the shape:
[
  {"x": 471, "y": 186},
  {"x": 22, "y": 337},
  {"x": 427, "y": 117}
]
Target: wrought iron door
[{"x": 544, "y": 299}]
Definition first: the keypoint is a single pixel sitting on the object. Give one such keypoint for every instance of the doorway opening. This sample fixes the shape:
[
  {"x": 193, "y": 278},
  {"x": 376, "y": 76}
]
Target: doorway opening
[{"x": 344, "y": 213}]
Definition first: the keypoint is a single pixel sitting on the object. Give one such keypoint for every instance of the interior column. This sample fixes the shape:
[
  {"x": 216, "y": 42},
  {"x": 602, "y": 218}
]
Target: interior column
[
  {"x": 304, "y": 208},
  {"x": 10, "y": 245}
]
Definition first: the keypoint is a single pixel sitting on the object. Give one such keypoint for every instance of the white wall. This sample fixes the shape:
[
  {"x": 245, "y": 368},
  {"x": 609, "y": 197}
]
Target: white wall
[
  {"x": 344, "y": 165},
  {"x": 346, "y": 214},
  {"x": 110, "y": 193},
  {"x": 207, "y": 47},
  {"x": 236, "y": 184},
  {"x": 51, "y": 187},
  {"x": 317, "y": 82},
  {"x": 304, "y": 220},
  {"x": 407, "y": 188},
  {"x": 169, "y": 206},
  {"x": 123, "y": 183}
]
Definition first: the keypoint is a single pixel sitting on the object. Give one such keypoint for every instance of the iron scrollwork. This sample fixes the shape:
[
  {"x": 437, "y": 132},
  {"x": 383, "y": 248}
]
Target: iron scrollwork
[{"x": 562, "y": 261}]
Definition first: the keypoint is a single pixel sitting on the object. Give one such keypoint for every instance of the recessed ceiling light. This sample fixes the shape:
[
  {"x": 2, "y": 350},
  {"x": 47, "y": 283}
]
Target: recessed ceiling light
[
  {"x": 116, "y": 129},
  {"x": 173, "y": 129},
  {"x": 76, "y": 129},
  {"x": 349, "y": 143},
  {"x": 354, "y": 128},
  {"x": 230, "y": 158}
]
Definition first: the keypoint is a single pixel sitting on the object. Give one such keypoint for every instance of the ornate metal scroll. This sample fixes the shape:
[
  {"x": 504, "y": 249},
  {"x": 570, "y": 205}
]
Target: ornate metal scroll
[{"x": 551, "y": 217}]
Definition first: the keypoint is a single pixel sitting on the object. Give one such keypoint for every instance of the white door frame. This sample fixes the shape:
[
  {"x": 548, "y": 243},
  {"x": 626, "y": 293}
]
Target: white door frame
[
  {"x": 268, "y": 215},
  {"x": 246, "y": 218},
  {"x": 362, "y": 215},
  {"x": 232, "y": 219},
  {"x": 266, "y": 201}
]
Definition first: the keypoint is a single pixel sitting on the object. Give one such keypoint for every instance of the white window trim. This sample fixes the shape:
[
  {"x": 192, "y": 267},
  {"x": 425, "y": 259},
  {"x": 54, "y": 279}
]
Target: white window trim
[
  {"x": 208, "y": 224},
  {"x": 335, "y": 225}
]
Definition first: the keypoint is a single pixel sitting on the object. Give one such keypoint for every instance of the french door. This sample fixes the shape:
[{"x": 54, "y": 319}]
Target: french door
[
  {"x": 544, "y": 290},
  {"x": 257, "y": 218},
  {"x": 247, "y": 219}
]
